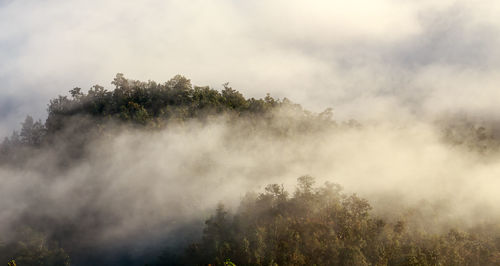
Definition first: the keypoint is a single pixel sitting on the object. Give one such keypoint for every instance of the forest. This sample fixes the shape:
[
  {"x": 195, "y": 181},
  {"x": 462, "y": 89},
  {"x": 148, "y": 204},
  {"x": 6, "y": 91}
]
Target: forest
[{"x": 169, "y": 173}]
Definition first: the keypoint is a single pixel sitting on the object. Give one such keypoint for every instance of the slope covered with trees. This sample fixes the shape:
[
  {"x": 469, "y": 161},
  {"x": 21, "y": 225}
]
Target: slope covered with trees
[
  {"x": 74, "y": 121},
  {"x": 311, "y": 226},
  {"x": 81, "y": 119},
  {"x": 324, "y": 226}
]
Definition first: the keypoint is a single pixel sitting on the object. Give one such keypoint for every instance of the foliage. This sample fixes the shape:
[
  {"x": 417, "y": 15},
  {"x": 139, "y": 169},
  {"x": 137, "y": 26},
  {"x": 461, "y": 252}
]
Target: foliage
[
  {"x": 33, "y": 249},
  {"x": 75, "y": 120},
  {"x": 148, "y": 103},
  {"x": 472, "y": 134},
  {"x": 311, "y": 226},
  {"x": 229, "y": 263},
  {"x": 323, "y": 226},
  {"x": 78, "y": 120}
]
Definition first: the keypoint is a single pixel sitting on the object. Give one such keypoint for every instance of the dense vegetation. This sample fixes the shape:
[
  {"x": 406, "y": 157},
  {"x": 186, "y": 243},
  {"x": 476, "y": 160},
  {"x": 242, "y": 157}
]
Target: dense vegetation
[
  {"x": 76, "y": 120},
  {"x": 149, "y": 103},
  {"x": 33, "y": 248},
  {"x": 311, "y": 226},
  {"x": 323, "y": 226}
]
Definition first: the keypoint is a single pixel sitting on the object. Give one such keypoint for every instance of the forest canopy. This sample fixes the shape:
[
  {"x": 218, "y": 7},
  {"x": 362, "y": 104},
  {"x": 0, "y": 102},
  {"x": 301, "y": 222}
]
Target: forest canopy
[
  {"x": 324, "y": 226},
  {"x": 113, "y": 177}
]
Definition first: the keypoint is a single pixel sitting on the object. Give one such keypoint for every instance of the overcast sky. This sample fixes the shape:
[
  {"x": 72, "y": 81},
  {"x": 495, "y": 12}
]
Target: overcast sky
[{"x": 366, "y": 59}]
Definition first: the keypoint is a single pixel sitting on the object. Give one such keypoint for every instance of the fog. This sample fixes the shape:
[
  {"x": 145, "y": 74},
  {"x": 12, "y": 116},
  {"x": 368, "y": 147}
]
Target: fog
[
  {"x": 366, "y": 60},
  {"x": 139, "y": 189},
  {"x": 397, "y": 67}
]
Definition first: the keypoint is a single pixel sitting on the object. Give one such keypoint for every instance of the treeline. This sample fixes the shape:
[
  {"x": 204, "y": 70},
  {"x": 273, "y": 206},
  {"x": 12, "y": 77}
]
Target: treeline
[
  {"x": 471, "y": 133},
  {"x": 311, "y": 226},
  {"x": 32, "y": 248},
  {"x": 153, "y": 103},
  {"x": 140, "y": 103},
  {"x": 80, "y": 119},
  {"x": 75, "y": 120},
  {"x": 324, "y": 226}
]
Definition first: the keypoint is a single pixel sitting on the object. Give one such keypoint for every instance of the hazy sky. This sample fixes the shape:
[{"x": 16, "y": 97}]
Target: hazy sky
[{"x": 366, "y": 59}]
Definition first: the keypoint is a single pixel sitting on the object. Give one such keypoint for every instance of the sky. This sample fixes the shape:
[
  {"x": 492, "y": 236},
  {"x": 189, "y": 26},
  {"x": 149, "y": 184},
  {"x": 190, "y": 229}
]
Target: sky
[{"x": 367, "y": 60}]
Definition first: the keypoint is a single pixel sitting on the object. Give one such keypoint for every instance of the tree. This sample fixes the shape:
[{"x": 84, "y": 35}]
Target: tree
[
  {"x": 32, "y": 133},
  {"x": 33, "y": 249},
  {"x": 232, "y": 98},
  {"x": 179, "y": 83}
]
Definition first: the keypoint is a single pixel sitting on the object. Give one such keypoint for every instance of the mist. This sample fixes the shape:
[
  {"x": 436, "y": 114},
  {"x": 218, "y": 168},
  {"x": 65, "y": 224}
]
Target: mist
[
  {"x": 365, "y": 60},
  {"x": 137, "y": 191},
  {"x": 419, "y": 78}
]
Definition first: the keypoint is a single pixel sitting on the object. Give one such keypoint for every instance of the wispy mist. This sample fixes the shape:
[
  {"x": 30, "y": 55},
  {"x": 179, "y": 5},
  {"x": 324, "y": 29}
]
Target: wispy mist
[
  {"x": 138, "y": 188},
  {"x": 398, "y": 67}
]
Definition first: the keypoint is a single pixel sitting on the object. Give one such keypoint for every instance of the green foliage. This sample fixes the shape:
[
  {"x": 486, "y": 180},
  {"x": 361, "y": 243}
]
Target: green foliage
[
  {"x": 146, "y": 102},
  {"x": 75, "y": 120},
  {"x": 33, "y": 249},
  {"x": 229, "y": 263},
  {"x": 311, "y": 226},
  {"x": 471, "y": 134},
  {"x": 323, "y": 226},
  {"x": 32, "y": 132}
]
